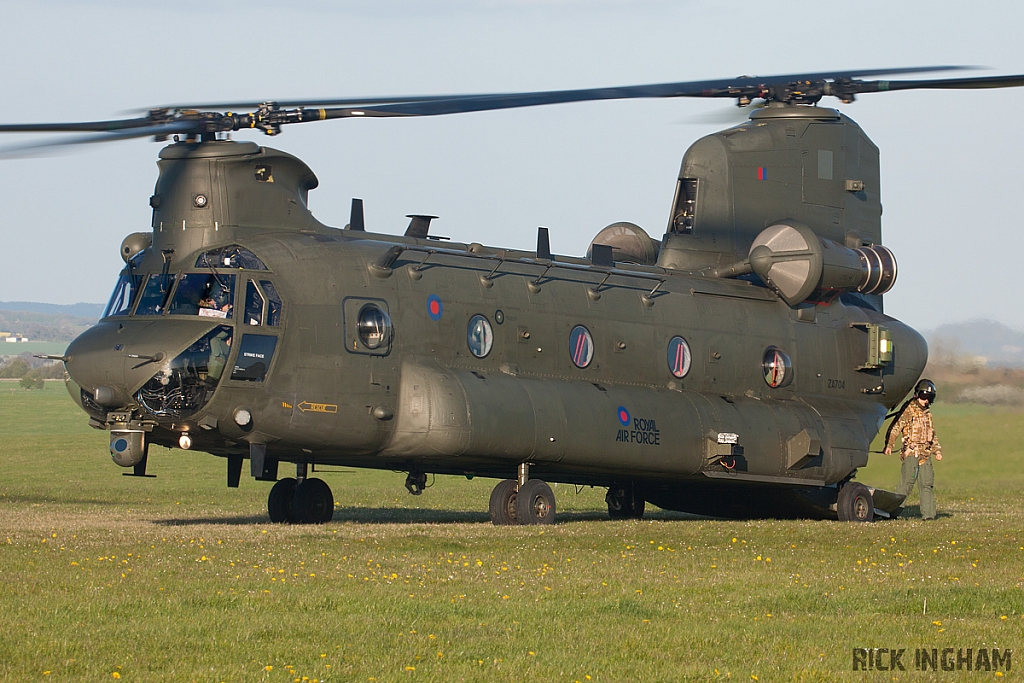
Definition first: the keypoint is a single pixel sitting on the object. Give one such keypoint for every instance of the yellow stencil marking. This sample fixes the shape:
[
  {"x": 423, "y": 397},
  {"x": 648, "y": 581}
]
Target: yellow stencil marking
[{"x": 308, "y": 407}]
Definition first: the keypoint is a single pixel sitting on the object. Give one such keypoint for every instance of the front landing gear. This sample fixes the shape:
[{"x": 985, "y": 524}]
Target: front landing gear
[
  {"x": 300, "y": 500},
  {"x": 624, "y": 502},
  {"x": 522, "y": 501}
]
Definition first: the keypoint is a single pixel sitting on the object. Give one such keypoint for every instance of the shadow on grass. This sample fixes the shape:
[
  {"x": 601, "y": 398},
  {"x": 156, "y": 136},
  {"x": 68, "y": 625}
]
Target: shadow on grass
[
  {"x": 366, "y": 515},
  {"x": 237, "y": 520},
  {"x": 914, "y": 512}
]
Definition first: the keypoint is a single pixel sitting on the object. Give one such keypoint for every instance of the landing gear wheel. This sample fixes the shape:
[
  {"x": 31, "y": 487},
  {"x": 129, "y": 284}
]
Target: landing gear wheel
[
  {"x": 279, "y": 503},
  {"x": 313, "y": 502},
  {"x": 624, "y": 503},
  {"x": 855, "y": 503},
  {"x": 535, "y": 503},
  {"x": 503, "y": 503}
]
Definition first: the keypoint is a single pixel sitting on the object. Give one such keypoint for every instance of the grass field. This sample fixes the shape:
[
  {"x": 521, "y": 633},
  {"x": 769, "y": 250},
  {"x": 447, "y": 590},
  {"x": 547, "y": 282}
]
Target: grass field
[
  {"x": 52, "y": 348},
  {"x": 178, "y": 578}
]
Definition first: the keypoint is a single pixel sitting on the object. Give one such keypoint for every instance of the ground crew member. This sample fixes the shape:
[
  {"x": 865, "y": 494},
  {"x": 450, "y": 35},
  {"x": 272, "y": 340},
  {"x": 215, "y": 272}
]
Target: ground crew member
[{"x": 919, "y": 445}]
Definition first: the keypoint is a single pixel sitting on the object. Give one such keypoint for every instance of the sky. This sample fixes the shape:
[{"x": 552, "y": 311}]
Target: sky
[{"x": 950, "y": 161}]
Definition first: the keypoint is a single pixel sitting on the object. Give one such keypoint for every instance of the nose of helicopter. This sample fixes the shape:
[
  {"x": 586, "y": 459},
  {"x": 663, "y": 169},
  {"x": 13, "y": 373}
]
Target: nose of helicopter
[{"x": 112, "y": 359}]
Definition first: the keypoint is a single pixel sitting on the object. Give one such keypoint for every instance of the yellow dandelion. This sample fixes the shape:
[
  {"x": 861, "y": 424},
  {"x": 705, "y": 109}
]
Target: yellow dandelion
[
  {"x": 268, "y": 668},
  {"x": 115, "y": 675}
]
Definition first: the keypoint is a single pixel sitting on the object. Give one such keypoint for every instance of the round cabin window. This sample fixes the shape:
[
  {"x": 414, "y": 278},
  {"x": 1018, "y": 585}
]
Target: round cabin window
[
  {"x": 679, "y": 357},
  {"x": 479, "y": 336},
  {"x": 581, "y": 346},
  {"x": 374, "y": 326},
  {"x": 778, "y": 370}
]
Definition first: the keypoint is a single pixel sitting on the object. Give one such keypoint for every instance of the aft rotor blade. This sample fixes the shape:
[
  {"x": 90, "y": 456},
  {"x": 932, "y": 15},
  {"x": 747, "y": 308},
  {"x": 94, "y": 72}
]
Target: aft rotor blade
[
  {"x": 980, "y": 82},
  {"x": 161, "y": 130}
]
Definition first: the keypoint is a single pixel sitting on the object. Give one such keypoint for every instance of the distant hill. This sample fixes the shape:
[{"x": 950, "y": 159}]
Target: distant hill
[
  {"x": 42, "y": 327},
  {"x": 987, "y": 341},
  {"x": 81, "y": 310}
]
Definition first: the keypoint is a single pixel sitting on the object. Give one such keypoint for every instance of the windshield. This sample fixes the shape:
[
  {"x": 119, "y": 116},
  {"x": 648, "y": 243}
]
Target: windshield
[
  {"x": 123, "y": 296},
  {"x": 204, "y": 294},
  {"x": 154, "y": 295},
  {"x": 184, "y": 385}
]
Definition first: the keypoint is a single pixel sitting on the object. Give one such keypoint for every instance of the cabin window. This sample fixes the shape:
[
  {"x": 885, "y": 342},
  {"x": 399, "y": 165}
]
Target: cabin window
[
  {"x": 154, "y": 295},
  {"x": 373, "y": 326},
  {"x": 254, "y": 356},
  {"x": 204, "y": 294},
  {"x": 581, "y": 346},
  {"x": 679, "y": 357},
  {"x": 777, "y": 368},
  {"x": 479, "y": 336}
]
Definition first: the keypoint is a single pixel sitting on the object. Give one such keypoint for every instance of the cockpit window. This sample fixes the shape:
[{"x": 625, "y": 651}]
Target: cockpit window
[
  {"x": 183, "y": 386},
  {"x": 232, "y": 256},
  {"x": 273, "y": 303},
  {"x": 154, "y": 295},
  {"x": 123, "y": 296},
  {"x": 253, "y": 304},
  {"x": 204, "y": 294}
]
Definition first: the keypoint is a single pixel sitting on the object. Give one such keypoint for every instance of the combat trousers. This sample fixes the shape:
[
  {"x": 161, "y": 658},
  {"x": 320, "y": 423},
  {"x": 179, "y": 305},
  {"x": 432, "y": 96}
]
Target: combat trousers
[{"x": 924, "y": 475}]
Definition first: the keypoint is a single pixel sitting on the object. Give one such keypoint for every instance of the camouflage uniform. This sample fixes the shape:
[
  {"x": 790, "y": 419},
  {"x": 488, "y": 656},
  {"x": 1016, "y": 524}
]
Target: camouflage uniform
[{"x": 919, "y": 445}]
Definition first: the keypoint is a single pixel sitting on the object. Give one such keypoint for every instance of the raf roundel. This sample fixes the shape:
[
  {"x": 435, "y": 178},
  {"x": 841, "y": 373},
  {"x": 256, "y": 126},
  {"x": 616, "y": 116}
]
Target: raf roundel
[
  {"x": 434, "y": 307},
  {"x": 623, "y": 415}
]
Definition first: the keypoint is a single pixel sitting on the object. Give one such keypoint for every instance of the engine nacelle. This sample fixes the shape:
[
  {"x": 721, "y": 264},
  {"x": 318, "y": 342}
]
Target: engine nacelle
[{"x": 799, "y": 265}]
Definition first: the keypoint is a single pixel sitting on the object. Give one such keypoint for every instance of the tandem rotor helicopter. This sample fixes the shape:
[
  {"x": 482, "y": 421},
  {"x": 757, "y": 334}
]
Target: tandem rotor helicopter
[{"x": 739, "y": 366}]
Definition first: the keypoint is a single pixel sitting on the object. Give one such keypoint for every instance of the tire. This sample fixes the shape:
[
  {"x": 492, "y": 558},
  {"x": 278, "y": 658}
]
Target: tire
[
  {"x": 855, "y": 503},
  {"x": 313, "y": 502},
  {"x": 624, "y": 503},
  {"x": 535, "y": 503},
  {"x": 279, "y": 502},
  {"x": 503, "y": 503}
]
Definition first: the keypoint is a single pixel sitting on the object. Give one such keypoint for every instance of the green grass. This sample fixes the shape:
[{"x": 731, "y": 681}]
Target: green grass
[
  {"x": 52, "y": 348},
  {"x": 181, "y": 579}
]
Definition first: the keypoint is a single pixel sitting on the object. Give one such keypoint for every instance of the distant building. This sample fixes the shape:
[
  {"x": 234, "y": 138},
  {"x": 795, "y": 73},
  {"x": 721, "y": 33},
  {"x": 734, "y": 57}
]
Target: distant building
[{"x": 14, "y": 338}]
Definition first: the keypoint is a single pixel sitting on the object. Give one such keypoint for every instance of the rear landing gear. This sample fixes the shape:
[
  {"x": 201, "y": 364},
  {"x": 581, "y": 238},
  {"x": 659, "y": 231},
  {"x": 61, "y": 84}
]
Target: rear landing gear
[
  {"x": 503, "y": 503},
  {"x": 301, "y": 500},
  {"x": 855, "y": 503},
  {"x": 279, "y": 503},
  {"x": 522, "y": 501}
]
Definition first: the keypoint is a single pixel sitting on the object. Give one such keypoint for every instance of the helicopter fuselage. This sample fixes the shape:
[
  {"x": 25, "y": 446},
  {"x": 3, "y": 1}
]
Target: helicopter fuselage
[{"x": 245, "y": 328}]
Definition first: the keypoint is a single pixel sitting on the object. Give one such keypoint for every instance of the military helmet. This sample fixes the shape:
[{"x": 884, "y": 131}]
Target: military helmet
[{"x": 925, "y": 389}]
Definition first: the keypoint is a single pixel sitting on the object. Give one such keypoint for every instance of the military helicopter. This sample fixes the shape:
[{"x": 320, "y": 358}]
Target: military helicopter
[{"x": 739, "y": 366}]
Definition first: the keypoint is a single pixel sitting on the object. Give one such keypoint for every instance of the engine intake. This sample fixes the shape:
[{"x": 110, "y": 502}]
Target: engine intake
[{"x": 799, "y": 265}]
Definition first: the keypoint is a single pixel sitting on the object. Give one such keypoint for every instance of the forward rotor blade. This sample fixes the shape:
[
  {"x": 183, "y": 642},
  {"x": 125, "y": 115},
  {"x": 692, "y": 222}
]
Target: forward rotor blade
[
  {"x": 733, "y": 87},
  {"x": 76, "y": 127},
  {"x": 287, "y": 104},
  {"x": 30, "y": 148}
]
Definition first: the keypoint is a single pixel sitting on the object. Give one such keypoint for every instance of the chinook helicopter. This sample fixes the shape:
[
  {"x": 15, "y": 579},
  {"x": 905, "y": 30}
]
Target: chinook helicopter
[{"x": 739, "y": 366}]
